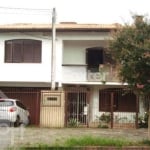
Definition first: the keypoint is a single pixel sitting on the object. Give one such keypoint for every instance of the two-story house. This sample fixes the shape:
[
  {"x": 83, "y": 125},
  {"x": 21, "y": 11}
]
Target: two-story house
[{"x": 81, "y": 67}]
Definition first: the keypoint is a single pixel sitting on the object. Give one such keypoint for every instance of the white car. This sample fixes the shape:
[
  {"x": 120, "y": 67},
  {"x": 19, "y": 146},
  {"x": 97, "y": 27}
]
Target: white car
[{"x": 13, "y": 111}]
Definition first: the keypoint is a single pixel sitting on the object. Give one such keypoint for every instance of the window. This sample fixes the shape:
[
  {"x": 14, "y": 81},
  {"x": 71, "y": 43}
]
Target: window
[
  {"x": 6, "y": 103},
  {"x": 121, "y": 102},
  {"x": 21, "y": 105},
  {"x": 96, "y": 56},
  {"x": 23, "y": 51}
]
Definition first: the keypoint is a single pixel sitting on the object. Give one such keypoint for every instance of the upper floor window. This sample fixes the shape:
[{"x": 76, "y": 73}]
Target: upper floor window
[
  {"x": 23, "y": 51},
  {"x": 96, "y": 56}
]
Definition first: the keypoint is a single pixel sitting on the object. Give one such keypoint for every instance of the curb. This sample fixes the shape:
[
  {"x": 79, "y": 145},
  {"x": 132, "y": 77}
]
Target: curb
[{"x": 91, "y": 148}]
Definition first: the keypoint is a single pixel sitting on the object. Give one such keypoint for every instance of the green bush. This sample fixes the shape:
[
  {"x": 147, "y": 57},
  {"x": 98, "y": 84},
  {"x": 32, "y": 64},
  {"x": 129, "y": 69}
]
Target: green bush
[
  {"x": 143, "y": 121},
  {"x": 73, "y": 122}
]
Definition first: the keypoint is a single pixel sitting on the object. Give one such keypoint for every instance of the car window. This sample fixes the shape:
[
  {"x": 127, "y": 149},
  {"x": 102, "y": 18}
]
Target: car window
[
  {"x": 20, "y": 105},
  {"x": 6, "y": 103}
]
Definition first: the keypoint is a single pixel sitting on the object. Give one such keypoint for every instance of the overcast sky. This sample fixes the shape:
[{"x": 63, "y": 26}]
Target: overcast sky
[{"x": 80, "y": 11}]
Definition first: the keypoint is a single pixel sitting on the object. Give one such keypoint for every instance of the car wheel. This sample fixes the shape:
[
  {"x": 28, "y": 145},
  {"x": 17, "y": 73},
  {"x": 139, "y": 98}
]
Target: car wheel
[{"x": 17, "y": 122}]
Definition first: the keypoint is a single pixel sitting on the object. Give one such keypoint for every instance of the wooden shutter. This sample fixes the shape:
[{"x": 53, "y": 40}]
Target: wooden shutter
[
  {"x": 104, "y": 101},
  {"x": 127, "y": 103},
  {"x": 28, "y": 51},
  {"x": 23, "y": 50},
  {"x": 8, "y": 51},
  {"x": 17, "y": 51},
  {"x": 37, "y": 51}
]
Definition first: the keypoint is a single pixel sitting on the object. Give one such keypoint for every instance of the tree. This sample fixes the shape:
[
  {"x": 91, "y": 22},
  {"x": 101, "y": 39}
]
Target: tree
[{"x": 130, "y": 48}]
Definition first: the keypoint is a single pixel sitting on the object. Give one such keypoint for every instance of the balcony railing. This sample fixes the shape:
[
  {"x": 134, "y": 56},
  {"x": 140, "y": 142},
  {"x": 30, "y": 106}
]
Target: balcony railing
[
  {"x": 106, "y": 73},
  {"x": 80, "y": 73}
]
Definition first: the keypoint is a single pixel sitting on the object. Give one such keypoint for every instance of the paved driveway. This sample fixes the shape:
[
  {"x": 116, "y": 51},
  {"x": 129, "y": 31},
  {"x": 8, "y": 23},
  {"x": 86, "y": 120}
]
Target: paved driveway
[{"x": 34, "y": 135}]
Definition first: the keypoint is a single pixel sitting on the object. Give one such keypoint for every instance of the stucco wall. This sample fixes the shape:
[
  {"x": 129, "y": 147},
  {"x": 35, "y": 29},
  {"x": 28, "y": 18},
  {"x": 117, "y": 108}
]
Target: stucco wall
[
  {"x": 26, "y": 71},
  {"x": 70, "y": 49}
]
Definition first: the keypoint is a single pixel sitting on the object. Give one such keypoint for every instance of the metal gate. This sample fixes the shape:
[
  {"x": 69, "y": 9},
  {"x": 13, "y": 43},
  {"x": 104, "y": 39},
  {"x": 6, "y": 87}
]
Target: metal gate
[
  {"x": 31, "y": 99},
  {"x": 77, "y": 107},
  {"x": 122, "y": 107}
]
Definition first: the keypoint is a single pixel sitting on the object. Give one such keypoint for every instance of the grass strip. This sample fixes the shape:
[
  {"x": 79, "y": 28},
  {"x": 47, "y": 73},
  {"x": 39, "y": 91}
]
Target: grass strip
[{"x": 96, "y": 141}]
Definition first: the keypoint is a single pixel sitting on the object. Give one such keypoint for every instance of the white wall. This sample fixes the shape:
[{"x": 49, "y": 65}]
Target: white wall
[
  {"x": 38, "y": 72},
  {"x": 94, "y": 104},
  {"x": 74, "y": 52},
  {"x": 58, "y": 68},
  {"x": 74, "y": 74},
  {"x": 70, "y": 49},
  {"x": 74, "y": 55}
]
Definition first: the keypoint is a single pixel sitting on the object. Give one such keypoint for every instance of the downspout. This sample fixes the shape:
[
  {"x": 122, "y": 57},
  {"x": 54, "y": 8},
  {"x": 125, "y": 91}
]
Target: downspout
[{"x": 53, "y": 53}]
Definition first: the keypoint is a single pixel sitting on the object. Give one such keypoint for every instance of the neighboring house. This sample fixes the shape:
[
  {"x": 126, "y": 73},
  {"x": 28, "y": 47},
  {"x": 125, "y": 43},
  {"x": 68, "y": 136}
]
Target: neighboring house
[{"x": 80, "y": 66}]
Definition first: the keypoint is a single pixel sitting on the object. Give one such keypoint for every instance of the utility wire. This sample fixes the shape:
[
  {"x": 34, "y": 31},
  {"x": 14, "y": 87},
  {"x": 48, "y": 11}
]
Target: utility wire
[
  {"x": 25, "y": 11},
  {"x": 25, "y": 8}
]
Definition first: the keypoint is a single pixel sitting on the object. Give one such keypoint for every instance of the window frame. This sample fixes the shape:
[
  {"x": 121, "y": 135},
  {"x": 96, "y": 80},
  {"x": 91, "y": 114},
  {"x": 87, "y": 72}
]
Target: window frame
[
  {"x": 96, "y": 56},
  {"x": 23, "y": 51},
  {"x": 92, "y": 60}
]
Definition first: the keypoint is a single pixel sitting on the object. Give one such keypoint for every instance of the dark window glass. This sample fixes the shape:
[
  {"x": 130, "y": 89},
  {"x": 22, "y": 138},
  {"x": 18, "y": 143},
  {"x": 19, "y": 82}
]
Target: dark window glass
[
  {"x": 96, "y": 56},
  {"x": 23, "y": 51},
  {"x": 20, "y": 105}
]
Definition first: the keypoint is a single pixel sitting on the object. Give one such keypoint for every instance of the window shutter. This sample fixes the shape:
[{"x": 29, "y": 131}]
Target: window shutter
[
  {"x": 8, "y": 51},
  {"x": 104, "y": 101},
  {"x": 127, "y": 103},
  {"x": 28, "y": 51},
  {"x": 121, "y": 102},
  {"x": 37, "y": 51},
  {"x": 23, "y": 51},
  {"x": 17, "y": 52}
]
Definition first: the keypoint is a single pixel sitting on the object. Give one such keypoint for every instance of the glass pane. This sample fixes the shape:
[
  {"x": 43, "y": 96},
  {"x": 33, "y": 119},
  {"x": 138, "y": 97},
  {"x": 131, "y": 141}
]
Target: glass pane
[{"x": 6, "y": 103}]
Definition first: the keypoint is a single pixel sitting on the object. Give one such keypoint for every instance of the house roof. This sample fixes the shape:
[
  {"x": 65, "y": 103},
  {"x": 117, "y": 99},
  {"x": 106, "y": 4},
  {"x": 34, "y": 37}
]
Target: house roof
[{"x": 64, "y": 26}]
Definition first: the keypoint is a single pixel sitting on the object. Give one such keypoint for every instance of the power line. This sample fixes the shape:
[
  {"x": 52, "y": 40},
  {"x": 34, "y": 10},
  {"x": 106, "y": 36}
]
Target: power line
[
  {"x": 1, "y": 7},
  {"x": 25, "y": 11}
]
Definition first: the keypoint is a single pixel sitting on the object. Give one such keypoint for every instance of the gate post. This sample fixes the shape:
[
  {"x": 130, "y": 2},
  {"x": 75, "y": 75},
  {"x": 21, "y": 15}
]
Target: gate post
[
  {"x": 111, "y": 110},
  {"x": 137, "y": 110}
]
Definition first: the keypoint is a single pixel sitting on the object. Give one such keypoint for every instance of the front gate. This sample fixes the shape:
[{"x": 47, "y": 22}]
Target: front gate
[
  {"x": 30, "y": 97},
  {"x": 77, "y": 107}
]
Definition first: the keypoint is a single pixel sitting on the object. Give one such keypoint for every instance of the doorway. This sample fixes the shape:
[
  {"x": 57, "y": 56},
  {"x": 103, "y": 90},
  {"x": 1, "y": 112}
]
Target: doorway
[{"x": 77, "y": 107}]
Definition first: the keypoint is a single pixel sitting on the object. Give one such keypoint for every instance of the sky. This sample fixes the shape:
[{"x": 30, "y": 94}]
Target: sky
[{"x": 80, "y": 11}]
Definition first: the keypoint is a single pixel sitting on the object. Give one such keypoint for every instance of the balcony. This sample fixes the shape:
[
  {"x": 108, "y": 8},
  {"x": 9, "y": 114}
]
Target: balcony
[
  {"x": 105, "y": 73},
  {"x": 80, "y": 73}
]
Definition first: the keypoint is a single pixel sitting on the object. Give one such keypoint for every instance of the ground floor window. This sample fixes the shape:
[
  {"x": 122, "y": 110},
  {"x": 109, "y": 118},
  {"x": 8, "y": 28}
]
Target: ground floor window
[{"x": 122, "y": 101}]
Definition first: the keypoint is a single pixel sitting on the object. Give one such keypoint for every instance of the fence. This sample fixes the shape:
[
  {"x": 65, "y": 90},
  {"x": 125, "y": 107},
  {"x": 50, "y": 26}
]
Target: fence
[{"x": 112, "y": 108}]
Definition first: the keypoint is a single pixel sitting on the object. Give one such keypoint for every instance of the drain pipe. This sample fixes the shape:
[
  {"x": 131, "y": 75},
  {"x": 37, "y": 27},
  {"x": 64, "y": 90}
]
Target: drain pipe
[{"x": 53, "y": 53}]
